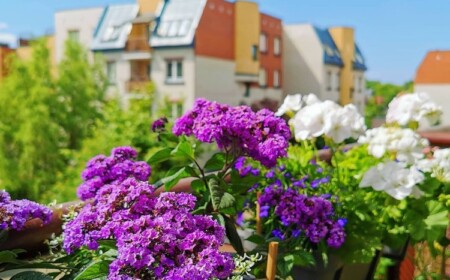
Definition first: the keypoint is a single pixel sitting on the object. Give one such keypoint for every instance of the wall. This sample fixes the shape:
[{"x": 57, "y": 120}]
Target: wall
[
  {"x": 247, "y": 30},
  {"x": 359, "y": 93},
  {"x": 440, "y": 95},
  {"x": 302, "y": 60},
  {"x": 332, "y": 91},
  {"x": 5, "y": 52},
  {"x": 214, "y": 36},
  {"x": 149, "y": 6},
  {"x": 183, "y": 92},
  {"x": 215, "y": 80},
  {"x": 123, "y": 74},
  {"x": 84, "y": 20},
  {"x": 272, "y": 28},
  {"x": 344, "y": 40}
]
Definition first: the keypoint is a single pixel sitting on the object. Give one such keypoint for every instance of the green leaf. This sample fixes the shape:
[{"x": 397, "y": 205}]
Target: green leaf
[
  {"x": 173, "y": 177},
  {"x": 198, "y": 186},
  {"x": 220, "y": 198},
  {"x": 438, "y": 215},
  {"x": 160, "y": 156},
  {"x": 31, "y": 275},
  {"x": 233, "y": 236},
  {"x": 257, "y": 239},
  {"x": 8, "y": 257},
  {"x": 108, "y": 244},
  {"x": 184, "y": 149},
  {"x": 303, "y": 258},
  {"x": 215, "y": 163},
  {"x": 95, "y": 270},
  {"x": 285, "y": 265}
]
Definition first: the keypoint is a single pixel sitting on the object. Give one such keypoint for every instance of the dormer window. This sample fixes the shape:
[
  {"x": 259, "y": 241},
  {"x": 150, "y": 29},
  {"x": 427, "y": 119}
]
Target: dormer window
[{"x": 112, "y": 33}]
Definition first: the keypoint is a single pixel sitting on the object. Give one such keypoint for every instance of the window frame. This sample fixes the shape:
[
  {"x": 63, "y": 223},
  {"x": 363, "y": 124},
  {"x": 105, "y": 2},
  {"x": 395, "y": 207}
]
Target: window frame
[
  {"x": 112, "y": 80},
  {"x": 276, "y": 79},
  {"x": 70, "y": 36},
  {"x": 262, "y": 74},
  {"x": 174, "y": 71},
  {"x": 263, "y": 43},
  {"x": 277, "y": 46}
]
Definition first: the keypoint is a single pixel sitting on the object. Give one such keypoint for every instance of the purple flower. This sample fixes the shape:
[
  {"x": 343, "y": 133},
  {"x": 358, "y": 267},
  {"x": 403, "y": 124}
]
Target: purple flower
[
  {"x": 278, "y": 234},
  {"x": 159, "y": 125},
  {"x": 260, "y": 135},
  {"x": 102, "y": 170},
  {"x": 15, "y": 213}
]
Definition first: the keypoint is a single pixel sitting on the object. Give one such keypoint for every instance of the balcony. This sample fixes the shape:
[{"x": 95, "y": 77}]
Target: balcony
[
  {"x": 138, "y": 44},
  {"x": 137, "y": 86}
]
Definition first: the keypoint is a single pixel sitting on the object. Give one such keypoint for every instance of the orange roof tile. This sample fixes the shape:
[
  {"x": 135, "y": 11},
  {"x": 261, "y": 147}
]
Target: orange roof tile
[{"x": 434, "y": 69}]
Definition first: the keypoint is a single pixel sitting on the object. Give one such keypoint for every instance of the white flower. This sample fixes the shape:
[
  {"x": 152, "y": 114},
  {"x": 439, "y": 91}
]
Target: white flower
[
  {"x": 404, "y": 143},
  {"x": 327, "y": 118},
  {"x": 438, "y": 166},
  {"x": 310, "y": 121},
  {"x": 413, "y": 107},
  {"x": 393, "y": 178},
  {"x": 292, "y": 103}
]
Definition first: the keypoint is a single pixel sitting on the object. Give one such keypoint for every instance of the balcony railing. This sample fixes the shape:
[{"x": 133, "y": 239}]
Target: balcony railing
[
  {"x": 138, "y": 44},
  {"x": 138, "y": 86}
]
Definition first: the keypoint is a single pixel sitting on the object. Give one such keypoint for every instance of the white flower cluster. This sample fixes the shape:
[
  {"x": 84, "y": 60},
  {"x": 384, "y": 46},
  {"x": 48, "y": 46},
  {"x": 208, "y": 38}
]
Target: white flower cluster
[
  {"x": 394, "y": 178},
  {"x": 243, "y": 266},
  {"x": 315, "y": 118},
  {"x": 404, "y": 143},
  {"x": 438, "y": 166},
  {"x": 413, "y": 107}
]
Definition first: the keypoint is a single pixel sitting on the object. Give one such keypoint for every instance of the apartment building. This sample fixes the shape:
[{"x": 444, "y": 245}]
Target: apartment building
[
  {"x": 433, "y": 77},
  {"x": 224, "y": 51},
  {"x": 327, "y": 62},
  {"x": 221, "y": 50},
  {"x": 5, "y": 52}
]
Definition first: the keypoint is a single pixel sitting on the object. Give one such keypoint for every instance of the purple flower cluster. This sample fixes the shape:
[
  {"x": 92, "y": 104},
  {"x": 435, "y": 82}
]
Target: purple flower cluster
[
  {"x": 15, "y": 213},
  {"x": 260, "y": 135},
  {"x": 298, "y": 213},
  {"x": 102, "y": 170},
  {"x": 157, "y": 236},
  {"x": 159, "y": 125}
]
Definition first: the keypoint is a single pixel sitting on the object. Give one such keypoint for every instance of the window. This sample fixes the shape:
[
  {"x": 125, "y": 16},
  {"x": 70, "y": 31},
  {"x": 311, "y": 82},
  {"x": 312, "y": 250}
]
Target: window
[
  {"x": 255, "y": 52},
  {"x": 174, "y": 71},
  {"x": 263, "y": 42},
  {"x": 361, "y": 84},
  {"x": 338, "y": 81},
  {"x": 276, "y": 79},
  {"x": 74, "y": 35},
  {"x": 277, "y": 46},
  {"x": 328, "y": 81},
  {"x": 177, "y": 109},
  {"x": 262, "y": 78},
  {"x": 111, "y": 34},
  {"x": 111, "y": 72}
]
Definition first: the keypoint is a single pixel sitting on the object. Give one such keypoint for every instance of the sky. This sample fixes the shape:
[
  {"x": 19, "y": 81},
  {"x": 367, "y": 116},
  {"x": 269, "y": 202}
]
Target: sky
[{"x": 394, "y": 35}]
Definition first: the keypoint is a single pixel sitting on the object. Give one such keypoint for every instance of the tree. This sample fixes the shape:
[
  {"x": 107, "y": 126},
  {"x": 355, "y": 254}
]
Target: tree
[
  {"x": 43, "y": 118},
  {"x": 30, "y": 137},
  {"x": 80, "y": 88}
]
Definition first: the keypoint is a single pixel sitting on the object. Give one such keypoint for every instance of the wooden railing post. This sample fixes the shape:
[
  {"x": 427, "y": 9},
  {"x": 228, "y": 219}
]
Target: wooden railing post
[
  {"x": 272, "y": 261},
  {"x": 258, "y": 211}
]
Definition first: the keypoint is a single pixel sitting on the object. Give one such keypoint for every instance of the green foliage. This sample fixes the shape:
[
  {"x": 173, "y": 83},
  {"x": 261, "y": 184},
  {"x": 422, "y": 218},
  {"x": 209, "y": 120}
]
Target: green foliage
[{"x": 382, "y": 94}]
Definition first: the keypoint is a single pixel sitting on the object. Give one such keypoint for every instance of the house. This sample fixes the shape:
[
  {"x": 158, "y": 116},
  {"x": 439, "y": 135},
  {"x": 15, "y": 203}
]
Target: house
[
  {"x": 224, "y": 51},
  {"x": 5, "y": 52},
  {"x": 433, "y": 77},
  {"x": 220, "y": 50},
  {"x": 326, "y": 62}
]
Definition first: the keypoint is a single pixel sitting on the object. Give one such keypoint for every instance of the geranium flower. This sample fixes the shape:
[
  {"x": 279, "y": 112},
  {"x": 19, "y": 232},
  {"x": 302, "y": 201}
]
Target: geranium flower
[{"x": 393, "y": 178}]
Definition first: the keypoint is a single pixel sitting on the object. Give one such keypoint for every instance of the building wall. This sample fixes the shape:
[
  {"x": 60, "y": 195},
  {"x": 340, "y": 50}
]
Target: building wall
[
  {"x": 5, "y": 52},
  {"x": 271, "y": 27},
  {"x": 440, "y": 95},
  {"x": 215, "y": 80},
  {"x": 330, "y": 88},
  {"x": 247, "y": 31},
  {"x": 359, "y": 92},
  {"x": 85, "y": 21},
  {"x": 302, "y": 60},
  {"x": 149, "y": 6},
  {"x": 344, "y": 39},
  {"x": 185, "y": 91},
  {"x": 214, "y": 36},
  {"x": 123, "y": 75}
]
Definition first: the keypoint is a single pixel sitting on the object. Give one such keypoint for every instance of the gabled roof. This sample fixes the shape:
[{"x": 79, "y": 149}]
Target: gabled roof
[
  {"x": 331, "y": 54},
  {"x": 359, "y": 63},
  {"x": 434, "y": 69},
  {"x": 114, "y": 27},
  {"x": 177, "y": 23}
]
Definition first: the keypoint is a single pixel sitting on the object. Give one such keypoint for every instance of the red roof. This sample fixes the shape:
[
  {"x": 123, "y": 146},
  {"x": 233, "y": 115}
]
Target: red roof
[{"x": 435, "y": 68}]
